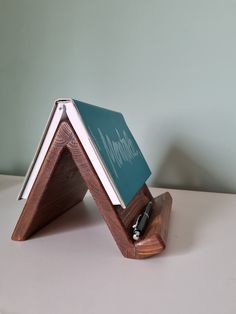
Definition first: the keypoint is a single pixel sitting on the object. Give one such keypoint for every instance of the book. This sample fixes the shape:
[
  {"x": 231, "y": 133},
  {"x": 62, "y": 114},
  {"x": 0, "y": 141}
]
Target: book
[{"x": 108, "y": 143}]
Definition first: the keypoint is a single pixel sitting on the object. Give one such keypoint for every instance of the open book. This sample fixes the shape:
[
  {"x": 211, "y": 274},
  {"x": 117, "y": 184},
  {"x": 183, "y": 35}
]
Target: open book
[{"x": 108, "y": 143}]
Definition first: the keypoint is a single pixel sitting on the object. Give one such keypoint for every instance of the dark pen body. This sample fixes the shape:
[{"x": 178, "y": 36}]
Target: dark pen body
[{"x": 142, "y": 222}]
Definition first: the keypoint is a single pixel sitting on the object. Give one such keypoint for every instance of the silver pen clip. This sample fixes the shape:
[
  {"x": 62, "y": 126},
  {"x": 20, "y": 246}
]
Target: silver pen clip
[
  {"x": 136, "y": 233},
  {"x": 137, "y": 221}
]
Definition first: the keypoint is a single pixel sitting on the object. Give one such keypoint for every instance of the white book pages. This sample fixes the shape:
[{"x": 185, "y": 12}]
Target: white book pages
[{"x": 50, "y": 129}]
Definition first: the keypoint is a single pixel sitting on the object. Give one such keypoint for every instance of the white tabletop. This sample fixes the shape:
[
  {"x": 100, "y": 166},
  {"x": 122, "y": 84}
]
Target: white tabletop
[{"x": 74, "y": 266}]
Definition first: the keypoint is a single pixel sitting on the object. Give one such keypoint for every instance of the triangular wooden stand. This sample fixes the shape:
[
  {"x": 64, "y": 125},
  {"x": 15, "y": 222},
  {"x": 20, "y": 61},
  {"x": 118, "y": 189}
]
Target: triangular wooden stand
[{"x": 62, "y": 182}]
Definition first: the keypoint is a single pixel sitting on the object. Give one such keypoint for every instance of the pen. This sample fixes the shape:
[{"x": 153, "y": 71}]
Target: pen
[{"x": 141, "y": 222}]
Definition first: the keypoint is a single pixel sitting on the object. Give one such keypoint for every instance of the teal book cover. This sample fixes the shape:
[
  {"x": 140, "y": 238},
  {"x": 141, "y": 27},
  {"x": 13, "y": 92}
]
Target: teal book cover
[{"x": 117, "y": 148}]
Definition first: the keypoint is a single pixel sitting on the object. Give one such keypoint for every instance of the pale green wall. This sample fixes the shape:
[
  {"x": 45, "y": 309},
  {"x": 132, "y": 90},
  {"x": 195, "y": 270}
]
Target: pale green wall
[{"x": 169, "y": 66}]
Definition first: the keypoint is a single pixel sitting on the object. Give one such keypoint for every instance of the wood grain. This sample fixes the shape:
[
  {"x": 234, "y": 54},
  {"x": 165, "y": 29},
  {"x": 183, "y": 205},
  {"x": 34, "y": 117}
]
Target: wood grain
[{"x": 65, "y": 176}]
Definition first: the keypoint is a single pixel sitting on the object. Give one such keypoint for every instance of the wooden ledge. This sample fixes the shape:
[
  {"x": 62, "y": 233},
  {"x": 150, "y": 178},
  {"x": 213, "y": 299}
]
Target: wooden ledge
[
  {"x": 154, "y": 239},
  {"x": 65, "y": 176}
]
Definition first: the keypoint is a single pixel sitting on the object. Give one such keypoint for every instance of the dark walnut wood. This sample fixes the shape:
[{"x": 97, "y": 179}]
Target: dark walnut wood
[{"x": 65, "y": 176}]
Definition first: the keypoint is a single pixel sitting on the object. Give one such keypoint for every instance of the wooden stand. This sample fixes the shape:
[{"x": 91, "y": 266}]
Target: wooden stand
[{"x": 65, "y": 176}]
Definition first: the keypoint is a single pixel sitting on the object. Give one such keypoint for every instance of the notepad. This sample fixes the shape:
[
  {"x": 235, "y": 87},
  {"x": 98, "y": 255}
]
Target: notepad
[{"x": 108, "y": 143}]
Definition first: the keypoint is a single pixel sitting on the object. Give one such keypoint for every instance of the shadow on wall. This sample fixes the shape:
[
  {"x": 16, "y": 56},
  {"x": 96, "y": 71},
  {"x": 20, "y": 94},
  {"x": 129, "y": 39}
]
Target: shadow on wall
[
  {"x": 18, "y": 169},
  {"x": 192, "y": 215},
  {"x": 182, "y": 171}
]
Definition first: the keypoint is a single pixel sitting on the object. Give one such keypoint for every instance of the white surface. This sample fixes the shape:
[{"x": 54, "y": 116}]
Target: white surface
[{"x": 73, "y": 264}]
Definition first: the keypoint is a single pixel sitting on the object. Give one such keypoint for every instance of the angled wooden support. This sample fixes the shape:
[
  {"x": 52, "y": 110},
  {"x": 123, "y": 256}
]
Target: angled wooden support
[{"x": 65, "y": 176}]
